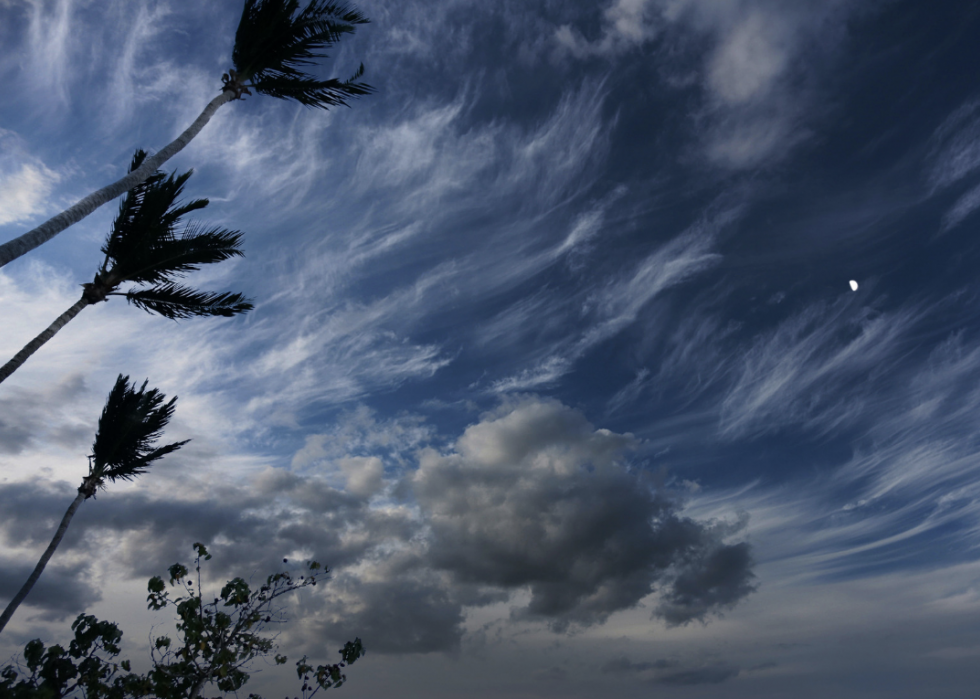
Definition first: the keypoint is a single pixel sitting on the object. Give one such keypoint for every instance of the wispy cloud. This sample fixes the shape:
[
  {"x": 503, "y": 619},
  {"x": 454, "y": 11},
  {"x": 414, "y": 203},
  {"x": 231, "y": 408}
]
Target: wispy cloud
[
  {"x": 617, "y": 305},
  {"x": 798, "y": 373},
  {"x": 53, "y": 49},
  {"x": 955, "y": 156}
]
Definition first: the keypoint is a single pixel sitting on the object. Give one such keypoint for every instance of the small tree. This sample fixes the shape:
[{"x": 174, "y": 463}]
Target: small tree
[{"x": 215, "y": 646}]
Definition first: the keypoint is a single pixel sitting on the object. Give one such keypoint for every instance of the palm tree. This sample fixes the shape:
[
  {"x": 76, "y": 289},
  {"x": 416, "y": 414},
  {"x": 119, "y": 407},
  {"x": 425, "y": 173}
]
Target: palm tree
[
  {"x": 131, "y": 422},
  {"x": 270, "y": 47},
  {"x": 142, "y": 248}
]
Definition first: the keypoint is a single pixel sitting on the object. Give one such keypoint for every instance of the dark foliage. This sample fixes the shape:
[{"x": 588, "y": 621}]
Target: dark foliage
[
  {"x": 142, "y": 248},
  {"x": 273, "y": 42},
  {"x": 131, "y": 423},
  {"x": 215, "y": 647}
]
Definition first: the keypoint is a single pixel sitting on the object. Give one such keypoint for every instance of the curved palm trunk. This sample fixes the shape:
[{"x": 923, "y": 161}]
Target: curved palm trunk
[
  {"x": 49, "y": 229},
  {"x": 35, "y": 344},
  {"x": 19, "y": 597}
]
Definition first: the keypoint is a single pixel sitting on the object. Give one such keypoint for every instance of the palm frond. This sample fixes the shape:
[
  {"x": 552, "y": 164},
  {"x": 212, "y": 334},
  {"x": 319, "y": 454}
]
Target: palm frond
[
  {"x": 147, "y": 216},
  {"x": 271, "y": 44},
  {"x": 175, "y": 302},
  {"x": 310, "y": 92},
  {"x": 131, "y": 422},
  {"x": 176, "y": 256}
]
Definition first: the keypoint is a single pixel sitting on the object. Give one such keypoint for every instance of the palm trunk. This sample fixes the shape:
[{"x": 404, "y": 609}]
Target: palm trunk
[
  {"x": 49, "y": 229},
  {"x": 19, "y": 597},
  {"x": 35, "y": 344}
]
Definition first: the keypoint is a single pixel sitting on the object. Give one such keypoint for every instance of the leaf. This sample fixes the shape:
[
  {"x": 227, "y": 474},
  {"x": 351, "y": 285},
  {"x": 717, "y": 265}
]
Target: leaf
[
  {"x": 173, "y": 302},
  {"x": 272, "y": 42},
  {"x": 32, "y": 653},
  {"x": 131, "y": 422}
]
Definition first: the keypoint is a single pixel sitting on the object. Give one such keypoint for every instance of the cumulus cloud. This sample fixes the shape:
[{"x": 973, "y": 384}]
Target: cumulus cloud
[
  {"x": 530, "y": 498},
  {"x": 534, "y": 497}
]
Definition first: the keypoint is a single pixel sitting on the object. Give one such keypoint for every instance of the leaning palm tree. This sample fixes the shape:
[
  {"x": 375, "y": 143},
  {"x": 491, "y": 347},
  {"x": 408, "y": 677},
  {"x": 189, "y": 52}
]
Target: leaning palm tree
[
  {"x": 131, "y": 422},
  {"x": 271, "y": 45},
  {"x": 141, "y": 248}
]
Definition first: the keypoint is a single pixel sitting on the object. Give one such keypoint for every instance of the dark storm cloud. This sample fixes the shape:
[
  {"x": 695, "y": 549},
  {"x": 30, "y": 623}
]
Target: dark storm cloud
[
  {"x": 671, "y": 672},
  {"x": 624, "y": 664},
  {"x": 534, "y": 497},
  {"x": 718, "y": 578},
  {"x": 253, "y": 532},
  {"x": 705, "y": 675},
  {"x": 395, "y": 616},
  {"x": 61, "y": 592},
  {"x": 26, "y": 416}
]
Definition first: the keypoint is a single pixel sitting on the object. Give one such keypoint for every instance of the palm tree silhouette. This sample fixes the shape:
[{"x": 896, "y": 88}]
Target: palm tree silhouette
[
  {"x": 271, "y": 45},
  {"x": 131, "y": 422},
  {"x": 142, "y": 248}
]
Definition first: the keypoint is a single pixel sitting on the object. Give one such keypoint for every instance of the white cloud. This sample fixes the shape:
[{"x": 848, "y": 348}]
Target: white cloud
[
  {"x": 26, "y": 183},
  {"x": 956, "y": 146},
  {"x": 749, "y": 59},
  {"x": 798, "y": 372},
  {"x": 626, "y": 24},
  {"x": 133, "y": 82},
  {"x": 618, "y": 304},
  {"x": 52, "y": 49},
  {"x": 963, "y": 207},
  {"x": 750, "y": 51}
]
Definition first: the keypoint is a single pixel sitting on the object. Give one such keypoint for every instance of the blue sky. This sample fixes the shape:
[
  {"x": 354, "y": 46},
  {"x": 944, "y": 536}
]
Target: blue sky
[{"x": 554, "y": 358}]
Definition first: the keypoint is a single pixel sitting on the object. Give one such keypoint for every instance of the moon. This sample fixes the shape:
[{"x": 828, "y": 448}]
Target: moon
[{"x": 854, "y": 285}]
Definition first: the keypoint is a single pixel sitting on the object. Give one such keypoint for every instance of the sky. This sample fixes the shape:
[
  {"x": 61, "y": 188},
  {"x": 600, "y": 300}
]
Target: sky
[{"x": 554, "y": 360}]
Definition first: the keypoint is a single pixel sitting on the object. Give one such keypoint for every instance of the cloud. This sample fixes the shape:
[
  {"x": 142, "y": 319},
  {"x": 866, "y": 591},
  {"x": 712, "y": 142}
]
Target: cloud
[
  {"x": 533, "y": 496},
  {"x": 61, "y": 592},
  {"x": 955, "y": 156},
  {"x": 624, "y": 664},
  {"x": 25, "y": 182},
  {"x": 626, "y": 24},
  {"x": 397, "y": 616},
  {"x": 31, "y": 417},
  {"x": 963, "y": 207},
  {"x": 435, "y": 154},
  {"x": 671, "y": 672},
  {"x": 705, "y": 675},
  {"x": 608, "y": 310},
  {"x": 131, "y": 81},
  {"x": 52, "y": 47},
  {"x": 757, "y": 60},
  {"x": 804, "y": 370},
  {"x": 719, "y": 579},
  {"x": 955, "y": 151}
]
